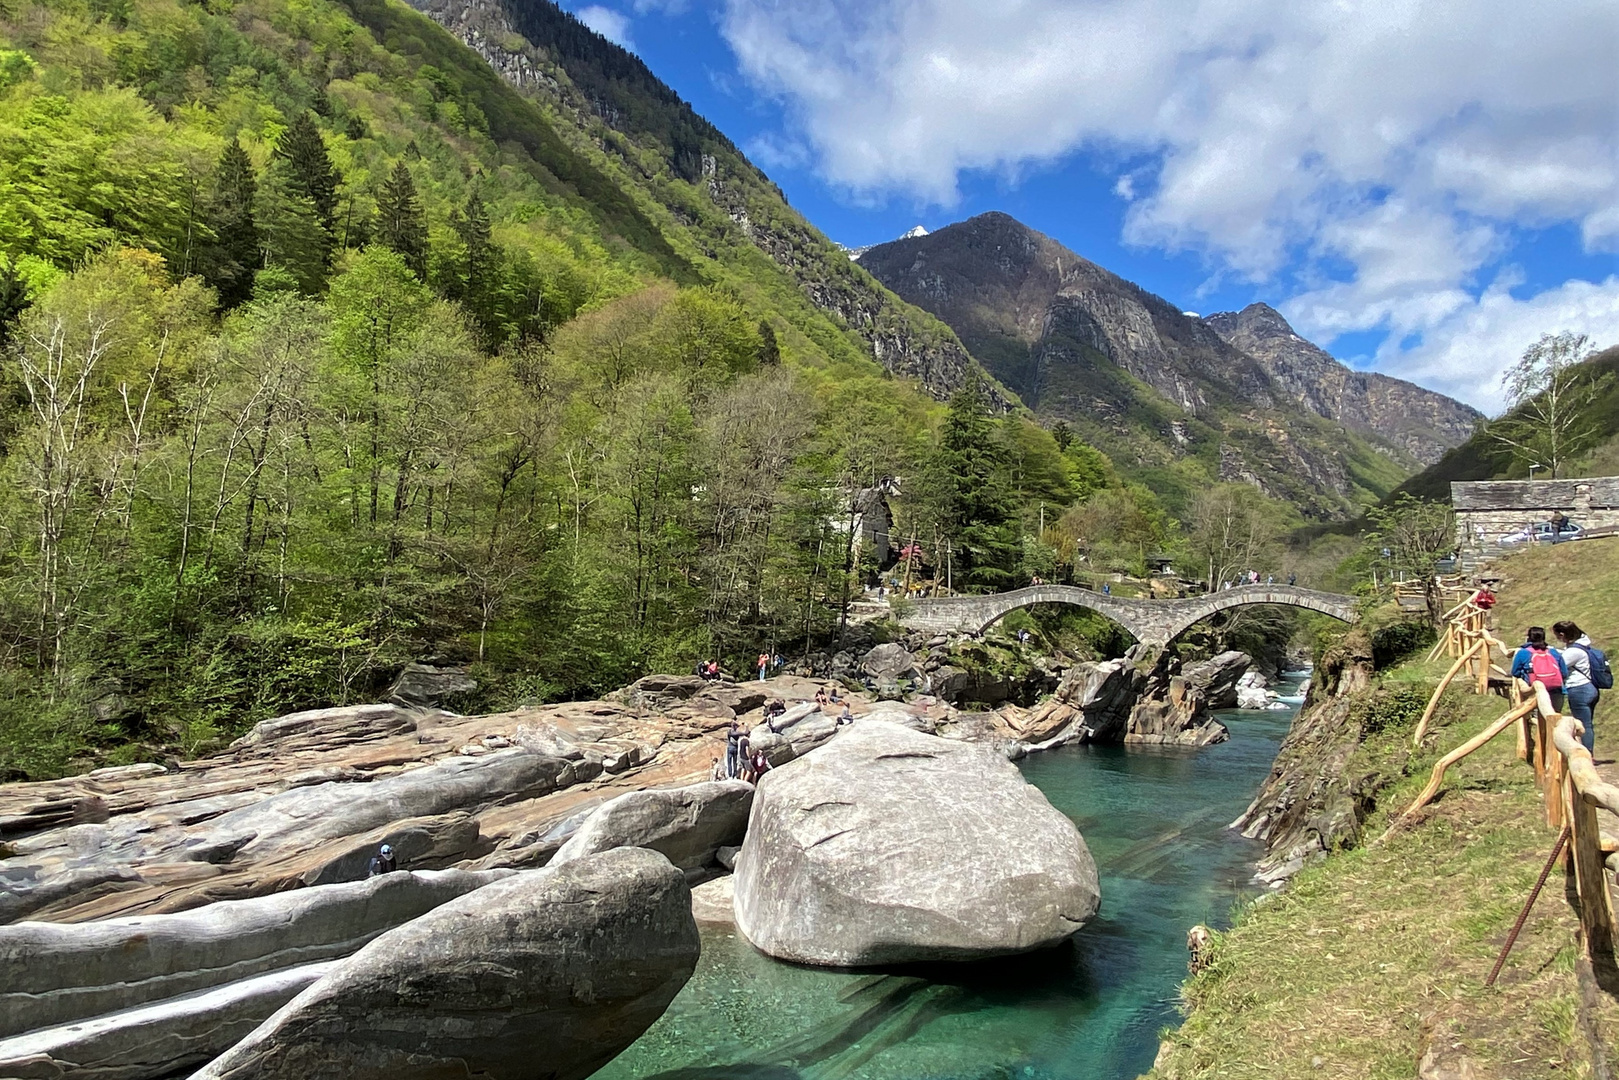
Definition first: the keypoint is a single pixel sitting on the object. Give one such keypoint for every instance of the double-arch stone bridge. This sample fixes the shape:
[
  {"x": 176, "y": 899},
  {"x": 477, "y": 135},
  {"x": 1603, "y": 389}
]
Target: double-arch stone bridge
[{"x": 1152, "y": 622}]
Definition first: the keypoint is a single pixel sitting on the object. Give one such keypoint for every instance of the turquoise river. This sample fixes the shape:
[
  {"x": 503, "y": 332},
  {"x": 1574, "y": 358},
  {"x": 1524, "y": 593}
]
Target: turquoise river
[{"x": 1155, "y": 820}]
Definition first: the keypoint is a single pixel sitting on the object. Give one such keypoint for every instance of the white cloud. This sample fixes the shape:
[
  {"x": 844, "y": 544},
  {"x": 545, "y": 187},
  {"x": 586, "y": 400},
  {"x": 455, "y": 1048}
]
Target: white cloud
[
  {"x": 610, "y": 24},
  {"x": 1464, "y": 353},
  {"x": 1378, "y": 154}
]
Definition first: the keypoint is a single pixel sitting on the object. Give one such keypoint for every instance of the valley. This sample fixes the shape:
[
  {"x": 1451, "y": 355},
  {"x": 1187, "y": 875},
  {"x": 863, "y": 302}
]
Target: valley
[{"x": 489, "y": 587}]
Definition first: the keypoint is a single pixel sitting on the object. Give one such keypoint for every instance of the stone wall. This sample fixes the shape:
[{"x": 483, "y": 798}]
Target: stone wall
[{"x": 1487, "y": 510}]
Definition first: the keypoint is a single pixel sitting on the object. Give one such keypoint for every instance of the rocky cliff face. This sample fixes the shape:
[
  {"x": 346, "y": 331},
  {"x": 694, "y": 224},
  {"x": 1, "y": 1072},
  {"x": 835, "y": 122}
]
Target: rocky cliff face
[
  {"x": 530, "y": 45},
  {"x": 1143, "y": 381},
  {"x": 1422, "y": 423},
  {"x": 1311, "y": 804},
  {"x": 1031, "y": 309}
]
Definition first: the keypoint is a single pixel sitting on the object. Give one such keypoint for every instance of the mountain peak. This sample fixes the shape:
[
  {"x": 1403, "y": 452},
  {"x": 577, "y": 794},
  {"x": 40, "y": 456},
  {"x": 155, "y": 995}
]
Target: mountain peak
[
  {"x": 1258, "y": 320},
  {"x": 913, "y": 232}
]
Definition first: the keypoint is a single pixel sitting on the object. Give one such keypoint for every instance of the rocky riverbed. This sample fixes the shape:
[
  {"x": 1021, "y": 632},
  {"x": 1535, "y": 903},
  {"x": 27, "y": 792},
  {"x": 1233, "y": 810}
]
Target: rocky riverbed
[{"x": 277, "y": 832}]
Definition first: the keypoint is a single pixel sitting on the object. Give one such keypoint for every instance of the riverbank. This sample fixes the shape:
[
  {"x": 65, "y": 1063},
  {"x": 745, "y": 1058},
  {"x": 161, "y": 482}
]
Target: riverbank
[{"x": 1371, "y": 963}]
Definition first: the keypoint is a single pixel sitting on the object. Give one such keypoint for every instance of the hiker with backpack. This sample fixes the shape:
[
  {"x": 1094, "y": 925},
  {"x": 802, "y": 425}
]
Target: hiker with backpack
[
  {"x": 1588, "y": 675},
  {"x": 1536, "y": 663}
]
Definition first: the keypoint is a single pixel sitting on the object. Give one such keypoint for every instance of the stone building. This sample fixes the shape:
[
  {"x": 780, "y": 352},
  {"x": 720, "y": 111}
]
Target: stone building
[{"x": 1487, "y": 510}]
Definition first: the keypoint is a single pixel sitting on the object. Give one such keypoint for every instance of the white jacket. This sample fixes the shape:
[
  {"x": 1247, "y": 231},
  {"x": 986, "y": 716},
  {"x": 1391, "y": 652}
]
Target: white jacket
[{"x": 1578, "y": 661}]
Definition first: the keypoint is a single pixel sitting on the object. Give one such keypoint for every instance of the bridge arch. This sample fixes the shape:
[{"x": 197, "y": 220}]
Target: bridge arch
[{"x": 1152, "y": 622}]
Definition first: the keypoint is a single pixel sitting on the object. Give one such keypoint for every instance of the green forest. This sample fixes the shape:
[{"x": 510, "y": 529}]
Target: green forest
[{"x": 324, "y": 351}]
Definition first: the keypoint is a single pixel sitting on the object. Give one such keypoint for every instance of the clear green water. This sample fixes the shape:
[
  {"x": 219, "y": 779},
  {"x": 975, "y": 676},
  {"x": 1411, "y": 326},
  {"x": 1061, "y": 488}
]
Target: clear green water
[{"x": 1155, "y": 820}]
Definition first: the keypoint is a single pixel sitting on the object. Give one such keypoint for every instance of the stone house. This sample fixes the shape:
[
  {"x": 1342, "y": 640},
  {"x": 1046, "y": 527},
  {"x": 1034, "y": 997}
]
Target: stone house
[{"x": 1487, "y": 510}]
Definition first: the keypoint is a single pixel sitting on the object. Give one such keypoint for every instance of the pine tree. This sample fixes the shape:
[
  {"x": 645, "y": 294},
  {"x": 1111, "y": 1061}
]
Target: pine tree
[
  {"x": 400, "y": 224},
  {"x": 980, "y": 514},
  {"x": 14, "y": 300},
  {"x": 769, "y": 349},
  {"x": 302, "y": 148},
  {"x": 478, "y": 262},
  {"x": 289, "y": 226},
  {"x": 229, "y": 262}
]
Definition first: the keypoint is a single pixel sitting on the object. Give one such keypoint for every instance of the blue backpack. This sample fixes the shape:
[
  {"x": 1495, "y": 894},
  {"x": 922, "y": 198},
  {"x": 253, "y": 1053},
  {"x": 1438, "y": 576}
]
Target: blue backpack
[{"x": 1601, "y": 673}]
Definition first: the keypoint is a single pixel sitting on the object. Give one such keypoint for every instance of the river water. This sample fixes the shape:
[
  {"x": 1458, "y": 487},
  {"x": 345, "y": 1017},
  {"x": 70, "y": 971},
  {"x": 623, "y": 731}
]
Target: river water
[{"x": 1155, "y": 820}]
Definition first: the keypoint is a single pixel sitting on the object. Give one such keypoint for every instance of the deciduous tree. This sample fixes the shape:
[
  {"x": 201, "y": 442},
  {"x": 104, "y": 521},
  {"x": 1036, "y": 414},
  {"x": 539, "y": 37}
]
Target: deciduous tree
[{"x": 1551, "y": 391}]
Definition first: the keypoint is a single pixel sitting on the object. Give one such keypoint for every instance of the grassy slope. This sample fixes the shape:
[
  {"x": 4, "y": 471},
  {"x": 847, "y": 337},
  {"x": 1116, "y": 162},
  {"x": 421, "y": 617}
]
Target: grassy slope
[{"x": 1370, "y": 958}]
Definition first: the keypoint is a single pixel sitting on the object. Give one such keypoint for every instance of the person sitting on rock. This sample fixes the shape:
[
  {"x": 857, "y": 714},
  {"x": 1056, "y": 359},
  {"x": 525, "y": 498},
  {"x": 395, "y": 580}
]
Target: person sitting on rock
[
  {"x": 775, "y": 709},
  {"x": 820, "y": 697},
  {"x": 716, "y": 771},
  {"x": 846, "y": 716},
  {"x": 758, "y": 766},
  {"x": 382, "y": 862},
  {"x": 836, "y": 696}
]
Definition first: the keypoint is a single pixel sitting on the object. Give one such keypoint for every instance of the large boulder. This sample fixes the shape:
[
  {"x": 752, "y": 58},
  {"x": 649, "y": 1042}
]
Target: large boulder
[
  {"x": 888, "y": 846},
  {"x": 1092, "y": 704},
  {"x": 1216, "y": 678},
  {"x": 1176, "y": 717},
  {"x": 888, "y": 662},
  {"x": 687, "y": 825},
  {"x": 432, "y": 686},
  {"x": 547, "y": 974}
]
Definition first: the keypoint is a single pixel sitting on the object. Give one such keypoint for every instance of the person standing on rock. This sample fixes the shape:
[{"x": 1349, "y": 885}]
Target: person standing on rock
[
  {"x": 382, "y": 862},
  {"x": 764, "y": 665},
  {"x": 1586, "y": 667},
  {"x": 1535, "y": 663},
  {"x": 733, "y": 750}
]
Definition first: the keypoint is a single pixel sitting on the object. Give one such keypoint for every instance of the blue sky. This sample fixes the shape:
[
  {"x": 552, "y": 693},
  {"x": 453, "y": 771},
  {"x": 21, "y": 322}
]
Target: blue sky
[{"x": 1422, "y": 186}]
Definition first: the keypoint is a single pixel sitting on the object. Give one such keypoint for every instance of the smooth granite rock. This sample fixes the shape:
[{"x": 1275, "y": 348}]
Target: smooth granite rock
[
  {"x": 687, "y": 825},
  {"x": 888, "y": 846},
  {"x": 55, "y": 973},
  {"x": 546, "y": 975},
  {"x": 159, "y": 1040},
  {"x": 1218, "y": 676},
  {"x": 431, "y": 685}
]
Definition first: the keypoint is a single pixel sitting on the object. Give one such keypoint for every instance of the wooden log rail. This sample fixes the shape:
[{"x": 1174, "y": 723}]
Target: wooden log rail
[
  {"x": 1466, "y": 638},
  {"x": 1572, "y": 789}
]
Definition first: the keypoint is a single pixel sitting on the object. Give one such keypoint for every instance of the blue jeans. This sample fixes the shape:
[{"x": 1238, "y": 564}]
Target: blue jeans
[{"x": 1582, "y": 702}]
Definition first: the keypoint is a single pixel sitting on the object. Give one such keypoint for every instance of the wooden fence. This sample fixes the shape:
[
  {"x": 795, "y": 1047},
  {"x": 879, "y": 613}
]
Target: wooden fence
[{"x": 1550, "y": 743}]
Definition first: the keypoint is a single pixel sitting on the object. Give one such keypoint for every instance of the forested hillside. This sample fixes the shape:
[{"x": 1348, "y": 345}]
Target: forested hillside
[{"x": 324, "y": 351}]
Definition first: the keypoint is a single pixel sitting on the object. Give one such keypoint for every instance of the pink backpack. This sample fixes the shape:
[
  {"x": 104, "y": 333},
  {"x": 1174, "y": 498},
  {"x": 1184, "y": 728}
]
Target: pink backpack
[{"x": 1543, "y": 669}]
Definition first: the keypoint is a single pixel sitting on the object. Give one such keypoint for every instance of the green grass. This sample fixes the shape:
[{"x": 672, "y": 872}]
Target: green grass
[{"x": 1379, "y": 953}]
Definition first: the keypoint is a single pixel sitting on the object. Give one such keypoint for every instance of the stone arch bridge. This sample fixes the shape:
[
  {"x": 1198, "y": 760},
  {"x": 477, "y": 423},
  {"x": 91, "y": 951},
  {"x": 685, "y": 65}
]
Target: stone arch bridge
[{"x": 1152, "y": 622}]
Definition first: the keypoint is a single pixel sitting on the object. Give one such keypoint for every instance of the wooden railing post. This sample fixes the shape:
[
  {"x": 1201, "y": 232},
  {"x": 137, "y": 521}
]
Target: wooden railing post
[{"x": 1586, "y": 791}]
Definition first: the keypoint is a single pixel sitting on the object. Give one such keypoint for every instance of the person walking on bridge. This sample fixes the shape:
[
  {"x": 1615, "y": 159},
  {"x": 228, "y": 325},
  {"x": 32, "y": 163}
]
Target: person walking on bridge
[{"x": 1587, "y": 671}]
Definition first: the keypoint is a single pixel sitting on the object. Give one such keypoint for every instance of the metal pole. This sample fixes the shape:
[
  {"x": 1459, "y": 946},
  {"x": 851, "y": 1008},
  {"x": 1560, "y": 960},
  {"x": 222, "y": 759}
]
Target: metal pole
[{"x": 1534, "y": 894}]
